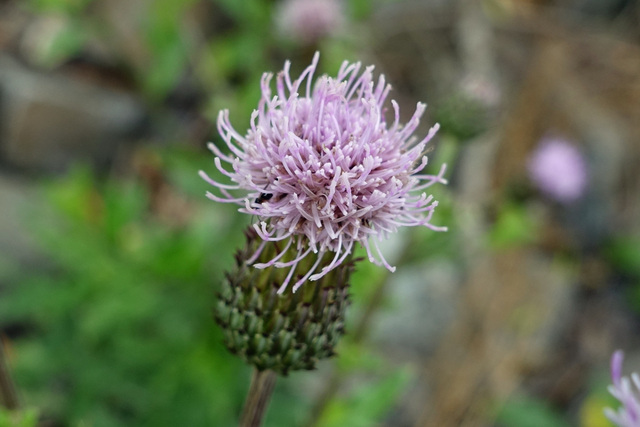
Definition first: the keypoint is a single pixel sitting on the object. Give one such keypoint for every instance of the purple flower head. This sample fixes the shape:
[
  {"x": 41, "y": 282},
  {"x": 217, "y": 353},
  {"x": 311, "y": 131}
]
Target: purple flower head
[
  {"x": 307, "y": 21},
  {"x": 626, "y": 391},
  {"x": 559, "y": 170},
  {"x": 323, "y": 170}
]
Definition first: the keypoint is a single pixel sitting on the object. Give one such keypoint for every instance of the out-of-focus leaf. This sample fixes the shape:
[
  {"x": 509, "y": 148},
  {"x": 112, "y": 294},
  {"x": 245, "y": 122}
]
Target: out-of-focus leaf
[
  {"x": 368, "y": 404},
  {"x": 64, "y": 43},
  {"x": 60, "y": 6},
  {"x": 22, "y": 418},
  {"x": 165, "y": 69},
  {"x": 250, "y": 13},
  {"x": 624, "y": 253},
  {"x": 168, "y": 45},
  {"x": 356, "y": 357},
  {"x": 513, "y": 227},
  {"x": 75, "y": 195},
  {"x": 121, "y": 332},
  {"x": 592, "y": 412},
  {"x": 360, "y": 9},
  {"x": 527, "y": 412}
]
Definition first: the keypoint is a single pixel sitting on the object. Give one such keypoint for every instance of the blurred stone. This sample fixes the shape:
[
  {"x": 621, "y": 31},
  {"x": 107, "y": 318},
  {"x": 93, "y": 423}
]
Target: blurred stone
[
  {"x": 12, "y": 21},
  {"x": 511, "y": 314},
  {"x": 602, "y": 8},
  {"x": 17, "y": 248},
  {"x": 50, "y": 120},
  {"x": 423, "y": 299}
]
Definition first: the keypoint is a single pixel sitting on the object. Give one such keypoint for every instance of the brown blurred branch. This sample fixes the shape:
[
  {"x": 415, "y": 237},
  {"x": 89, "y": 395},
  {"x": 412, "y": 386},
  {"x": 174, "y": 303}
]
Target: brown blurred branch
[{"x": 7, "y": 388}]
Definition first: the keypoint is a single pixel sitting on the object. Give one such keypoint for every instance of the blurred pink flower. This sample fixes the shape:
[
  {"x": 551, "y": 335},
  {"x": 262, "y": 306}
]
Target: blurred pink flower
[
  {"x": 308, "y": 21},
  {"x": 626, "y": 391},
  {"x": 481, "y": 90},
  {"x": 559, "y": 170}
]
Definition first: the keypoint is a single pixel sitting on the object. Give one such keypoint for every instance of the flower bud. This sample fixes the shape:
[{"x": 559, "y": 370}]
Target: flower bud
[{"x": 284, "y": 331}]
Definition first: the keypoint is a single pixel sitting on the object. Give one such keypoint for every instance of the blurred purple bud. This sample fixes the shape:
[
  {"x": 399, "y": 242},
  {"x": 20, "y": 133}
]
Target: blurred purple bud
[
  {"x": 481, "y": 90},
  {"x": 559, "y": 170},
  {"x": 308, "y": 21}
]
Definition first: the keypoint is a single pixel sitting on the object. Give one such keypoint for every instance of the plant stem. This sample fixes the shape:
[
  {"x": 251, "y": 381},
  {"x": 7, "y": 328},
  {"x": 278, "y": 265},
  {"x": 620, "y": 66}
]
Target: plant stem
[
  {"x": 260, "y": 391},
  {"x": 332, "y": 385},
  {"x": 8, "y": 394}
]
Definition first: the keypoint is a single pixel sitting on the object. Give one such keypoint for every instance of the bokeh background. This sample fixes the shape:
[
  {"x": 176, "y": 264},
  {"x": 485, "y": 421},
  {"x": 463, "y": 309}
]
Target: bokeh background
[{"x": 110, "y": 255}]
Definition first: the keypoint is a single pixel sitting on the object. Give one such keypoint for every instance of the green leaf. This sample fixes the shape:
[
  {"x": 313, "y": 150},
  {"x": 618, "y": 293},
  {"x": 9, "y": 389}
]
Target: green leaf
[
  {"x": 513, "y": 227},
  {"x": 166, "y": 68},
  {"x": 65, "y": 43},
  {"x": 23, "y": 418},
  {"x": 524, "y": 411},
  {"x": 368, "y": 404},
  {"x": 624, "y": 254},
  {"x": 120, "y": 333},
  {"x": 60, "y": 6},
  {"x": 360, "y": 9}
]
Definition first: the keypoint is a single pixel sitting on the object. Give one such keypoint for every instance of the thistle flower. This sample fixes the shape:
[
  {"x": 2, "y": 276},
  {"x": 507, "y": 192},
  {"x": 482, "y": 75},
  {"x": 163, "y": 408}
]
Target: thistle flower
[
  {"x": 559, "y": 170},
  {"x": 626, "y": 391},
  {"x": 322, "y": 170},
  {"x": 308, "y": 21}
]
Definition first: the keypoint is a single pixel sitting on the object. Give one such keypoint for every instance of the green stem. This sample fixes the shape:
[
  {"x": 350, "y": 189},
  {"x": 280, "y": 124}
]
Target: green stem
[
  {"x": 332, "y": 385},
  {"x": 260, "y": 391},
  {"x": 8, "y": 394}
]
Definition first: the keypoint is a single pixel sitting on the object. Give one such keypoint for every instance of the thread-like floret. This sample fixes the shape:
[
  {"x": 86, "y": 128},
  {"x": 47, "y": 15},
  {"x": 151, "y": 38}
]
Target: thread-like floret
[
  {"x": 627, "y": 391},
  {"x": 322, "y": 170}
]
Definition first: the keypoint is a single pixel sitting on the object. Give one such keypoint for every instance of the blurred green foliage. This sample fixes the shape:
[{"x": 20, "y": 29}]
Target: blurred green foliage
[
  {"x": 60, "y": 6},
  {"x": 591, "y": 411},
  {"x": 23, "y": 418},
  {"x": 624, "y": 255},
  {"x": 514, "y": 226},
  {"x": 369, "y": 403},
  {"x": 119, "y": 331},
  {"x": 524, "y": 411},
  {"x": 168, "y": 51}
]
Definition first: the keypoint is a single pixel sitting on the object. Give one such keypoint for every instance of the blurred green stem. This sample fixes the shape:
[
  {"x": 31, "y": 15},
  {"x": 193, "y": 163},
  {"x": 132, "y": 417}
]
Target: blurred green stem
[
  {"x": 360, "y": 332},
  {"x": 7, "y": 389},
  {"x": 260, "y": 391}
]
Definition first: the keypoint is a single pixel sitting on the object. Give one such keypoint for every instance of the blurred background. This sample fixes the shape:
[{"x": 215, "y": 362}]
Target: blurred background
[{"x": 110, "y": 255}]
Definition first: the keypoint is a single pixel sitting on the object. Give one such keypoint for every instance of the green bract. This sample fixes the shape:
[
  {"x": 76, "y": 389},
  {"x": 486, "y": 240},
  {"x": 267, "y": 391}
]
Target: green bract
[{"x": 281, "y": 332}]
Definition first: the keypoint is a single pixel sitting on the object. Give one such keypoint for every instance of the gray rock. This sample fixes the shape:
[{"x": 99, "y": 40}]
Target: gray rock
[
  {"x": 422, "y": 300},
  {"x": 49, "y": 120},
  {"x": 17, "y": 247}
]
